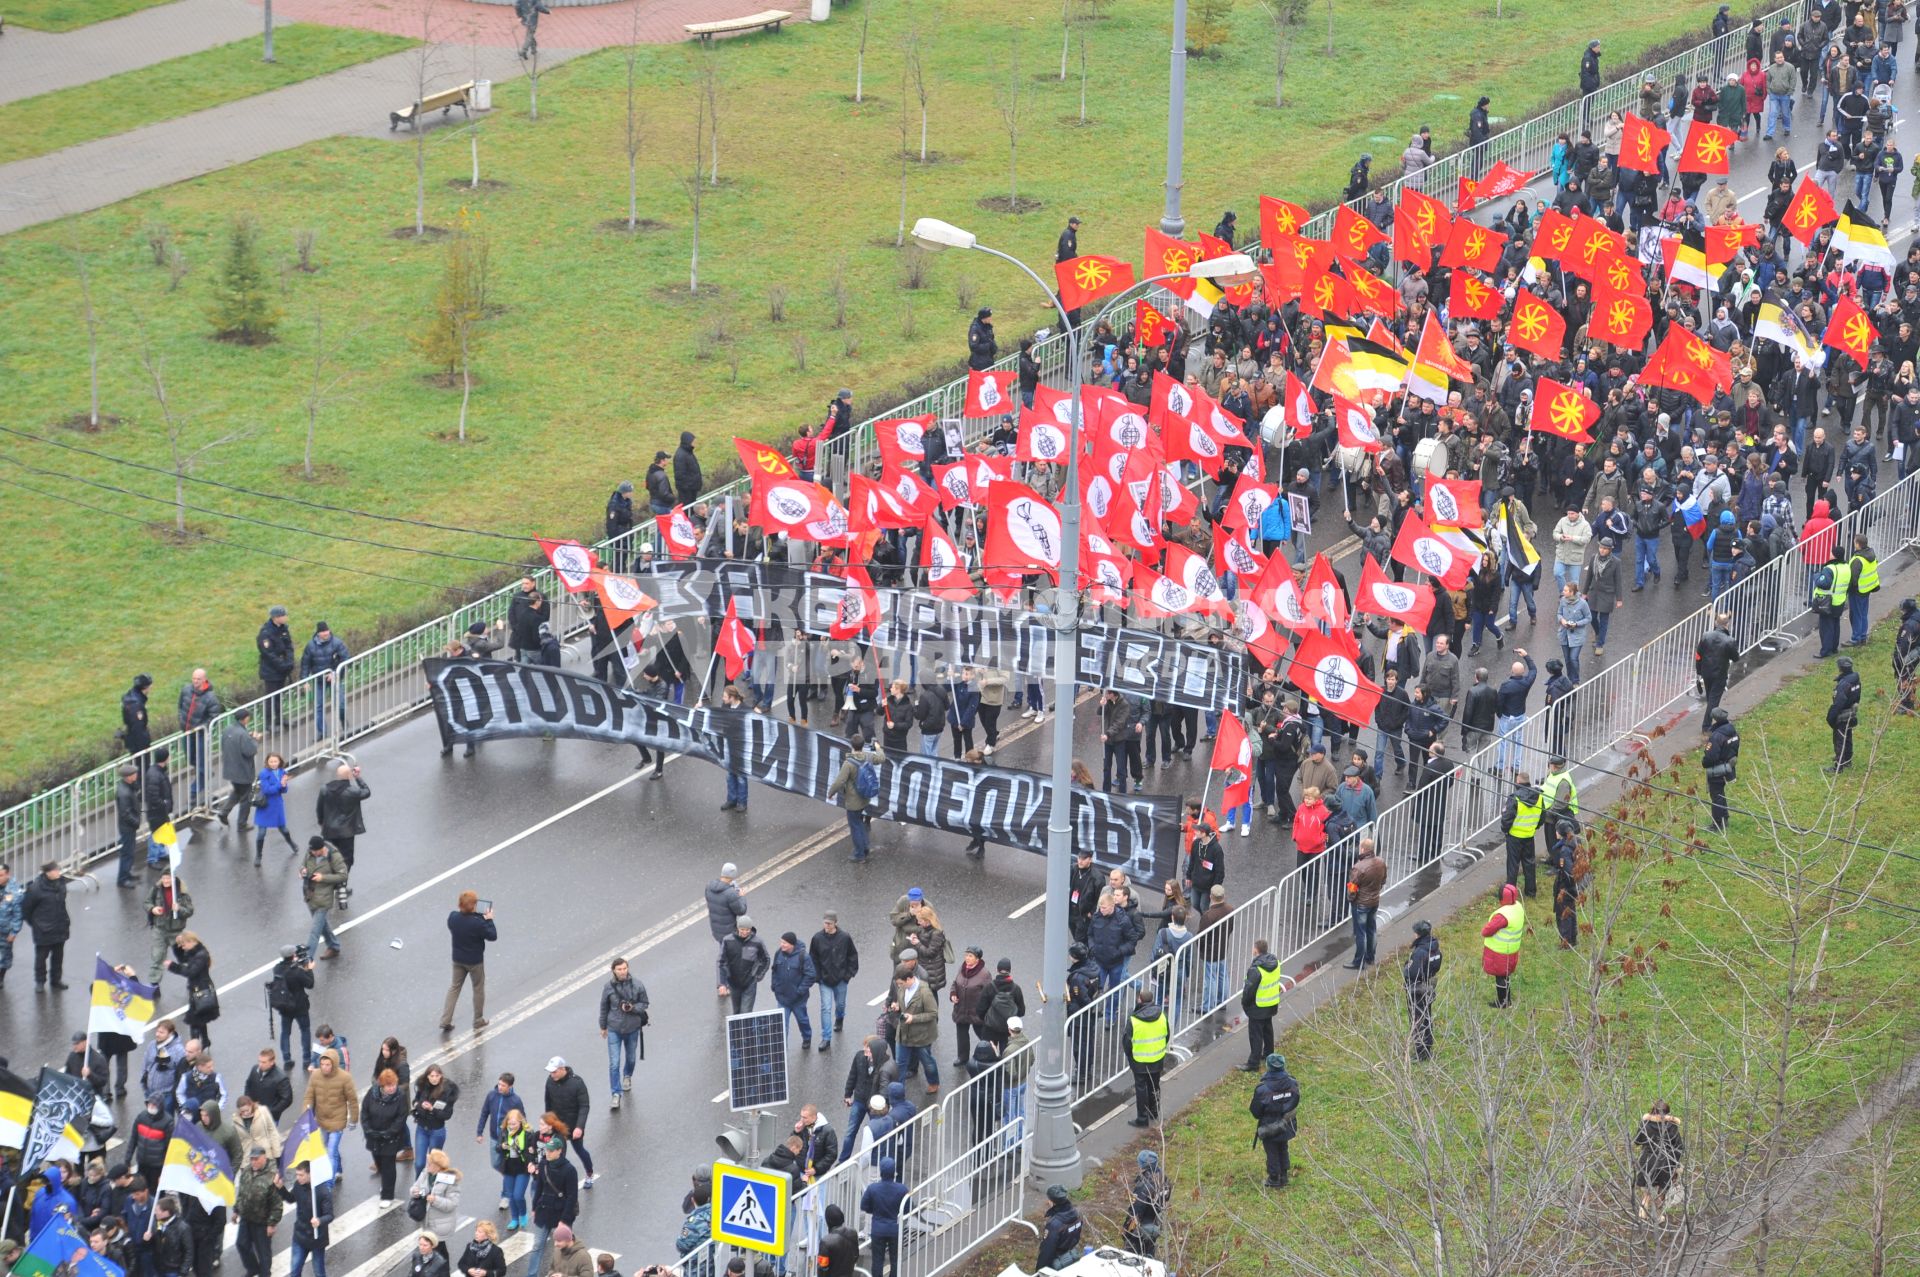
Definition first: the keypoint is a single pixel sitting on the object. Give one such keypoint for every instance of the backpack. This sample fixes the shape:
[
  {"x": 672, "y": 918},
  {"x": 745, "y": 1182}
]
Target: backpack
[
  {"x": 999, "y": 1011},
  {"x": 1339, "y": 825},
  {"x": 866, "y": 780},
  {"x": 1288, "y": 749},
  {"x": 279, "y": 994}
]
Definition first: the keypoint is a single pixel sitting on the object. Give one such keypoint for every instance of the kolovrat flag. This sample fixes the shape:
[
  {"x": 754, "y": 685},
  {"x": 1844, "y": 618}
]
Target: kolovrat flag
[
  {"x": 1436, "y": 352},
  {"x": 1353, "y": 235},
  {"x": 1469, "y": 298},
  {"x": 1563, "y": 411},
  {"x": 1552, "y": 236},
  {"x": 1085, "y": 279},
  {"x": 1166, "y": 255},
  {"x": 1470, "y": 244},
  {"x": 1709, "y": 149},
  {"x": 1371, "y": 293},
  {"x": 1620, "y": 318},
  {"x": 1407, "y": 601},
  {"x": 735, "y": 643},
  {"x": 120, "y": 1003},
  {"x": 1421, "y": 549},
  {"x": 1279, "y": 217},
  {"x": 1850, "y": 330},
  {"x": 1723, "y": 242},
  {"x": 1809, "y": 209},
  {"x": 1537, "y": 327},
  {"x": 1641, "y": 142},
  {"x": 1328, "y": 671}
]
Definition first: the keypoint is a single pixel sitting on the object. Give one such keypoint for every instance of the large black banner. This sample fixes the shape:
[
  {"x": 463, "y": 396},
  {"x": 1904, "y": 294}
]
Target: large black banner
[
  {"x": 1143, "y": 663},
  {"x": 495, "y": 700}
]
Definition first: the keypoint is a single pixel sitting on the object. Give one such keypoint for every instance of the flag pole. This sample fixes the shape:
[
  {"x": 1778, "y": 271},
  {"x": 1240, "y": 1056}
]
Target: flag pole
[{"x": 706, "y": 680}]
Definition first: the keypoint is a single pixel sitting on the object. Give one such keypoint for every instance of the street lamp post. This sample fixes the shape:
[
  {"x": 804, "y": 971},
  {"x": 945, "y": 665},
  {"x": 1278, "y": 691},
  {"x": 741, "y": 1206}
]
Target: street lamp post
[
  {"x": 1171, "y": 222},
  {"x": 1056, "y": 1150}
]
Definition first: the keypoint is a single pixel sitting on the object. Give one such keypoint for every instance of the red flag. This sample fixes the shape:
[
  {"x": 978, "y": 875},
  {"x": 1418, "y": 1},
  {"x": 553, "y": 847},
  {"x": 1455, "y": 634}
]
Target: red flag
[
  {"x": 1641, "y": 142},
  {"x": 947, "y": 577},
  {"x": 1353, "y": 234},
  {"x": 859, "y": 607},
  {"x": 1157, "y": 596},
  {"x": 1420, "y": 225},
  {"x": 1150, "y": 327},
  {"x": 1420, "y": 549},
  {"x": 1233, "y": 552},
  {"x": 1327, "y": 670},
  {"x": 1279, "y": 217},
  {"x": 1683, "y": 362},
  {"x": 677, "y": 536},
  {"x": 1371, "y": 293},
  {"x": 1233, "y": 757},
  {"x": 1850, "y": 329},
  {"x": 804, "y": 511},
  {"x": 1709, "y": 148},
  {"x": 1436, "y": 351},
  {"x": 1563, "y": 411},
  {"x": 1809, "y": 209},
  {"x": 1470, "y": 244},
  {"x": 1501, "y": 180},
  {"x": 1258, "y": 633},
  {"x": 1166, "y": 255},
  {"x": 1354, "y": 424},
  {"x": 1089, "y": 278},
  {"x": 1409, "y": 602},
  {"x": 763, "y": 460},
  {"x": 1469, "y": 298},
  {"x": 1043, "y": 427},
  {"x": 1620, "y": 318},
  {"x": 735, "y": 642},
  {"x": 1324, "y": 599},
  {"x": 1104, "y": 572},
  {"x": 1282, "y": 280},
  {"x": 1249, "y": 501},
  {"x": 1170, "y": 402},
  {"x": 1023, "y": 531},
  {"x": 572, "y": 562},
  {"x": 989, "y": 394},
  {"x": 1537, "y": 327},
  {"x": 1552, "y": 236},
  {"x": 1299, "y": 406},
  {"x": 1278, "y": 595},
  {"x": 902, "y": 440},
  {"x": 1723, "y": 242},
  {"x": 621, "y": 598},
  {"x": 951, "y": 482},
  {"x": 1191, "y": 570},
  {"x": 873, "y": 505},
  {"x": 1453, "y": 503}
]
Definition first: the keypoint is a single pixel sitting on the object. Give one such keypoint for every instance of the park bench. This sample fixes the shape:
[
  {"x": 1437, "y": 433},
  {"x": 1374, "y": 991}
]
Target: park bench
[
  {"x": 769, "y": 20},
  {"x": 444, "y": 101}
]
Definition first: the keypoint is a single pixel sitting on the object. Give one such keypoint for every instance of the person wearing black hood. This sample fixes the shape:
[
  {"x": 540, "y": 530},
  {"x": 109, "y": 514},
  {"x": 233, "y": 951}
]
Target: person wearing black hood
[
  {"x": 1069, "y": 246},
  {"x": 1225, "y": 229},
  {"x": 1145, "y": 1041},
  {"x": 277, "y": 662},
  {"x": 1060, "y": 1231},
  {"x": 620, "y": 522},
  {"x": 1843, "y": 714},
  {"x": 134, "y": 730},
  {"x": 1479, "y": 129},
  {"x": 688, "y": 479},
  {"x": 1563, "y": 857},
  {"x": 157, "y": 789},
  {"x": 982, "y": 346},
  {"x": 1275, "y": 1098},
  {"x": 1422, "y": 975},
  {"x": 127, "y": 810}
]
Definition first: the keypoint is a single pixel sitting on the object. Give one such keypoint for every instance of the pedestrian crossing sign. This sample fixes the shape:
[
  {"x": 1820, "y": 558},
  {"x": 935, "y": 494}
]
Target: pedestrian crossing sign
[{"x": 750, "y": 1208}]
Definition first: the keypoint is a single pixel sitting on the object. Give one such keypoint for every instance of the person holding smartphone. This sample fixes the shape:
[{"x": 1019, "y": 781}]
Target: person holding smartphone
[{"x": 472, "y": 930}]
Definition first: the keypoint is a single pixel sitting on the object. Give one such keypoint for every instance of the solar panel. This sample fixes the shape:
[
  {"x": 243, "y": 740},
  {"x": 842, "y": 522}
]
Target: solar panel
[{"x": 757, "y": 1060}]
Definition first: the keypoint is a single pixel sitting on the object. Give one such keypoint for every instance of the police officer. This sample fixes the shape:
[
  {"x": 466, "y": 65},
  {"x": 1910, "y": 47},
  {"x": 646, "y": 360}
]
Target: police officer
[
  {"x": 1713, "y": 658},
  {"x": 1060, "y": 1233},
  {"x": 1274, "y": 1099},
  {"x": 1422, "y": 975},
  {"x": 1260, "y": 999},
  {"x": 1145, "y": 1040},
  {"x": 1723, "y": 751},
  {"x": 1562, "y": 854},
  {"x": 1843, "y": 714},
  {"x": 1831, "y": 586},
  {"x": 1525, "y": 806},
  {"x": 1562, "y": 795},
  {"x": 1083, "y": 986},
  {"x": 1864, "y": 568},
  {"x": 1906, "y": 653}
]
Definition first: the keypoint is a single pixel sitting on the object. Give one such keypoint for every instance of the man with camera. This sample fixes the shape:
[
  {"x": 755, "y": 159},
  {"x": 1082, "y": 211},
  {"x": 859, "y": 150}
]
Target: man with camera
[
  {"x": 472, "y": 929},
  {"x": 323, "y": 876},
  {"x": 287, "y": 998}
]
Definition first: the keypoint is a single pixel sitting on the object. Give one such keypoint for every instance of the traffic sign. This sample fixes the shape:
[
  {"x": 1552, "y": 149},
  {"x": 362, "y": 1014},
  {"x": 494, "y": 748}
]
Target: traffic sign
[{"x": 750, "y": 1208}]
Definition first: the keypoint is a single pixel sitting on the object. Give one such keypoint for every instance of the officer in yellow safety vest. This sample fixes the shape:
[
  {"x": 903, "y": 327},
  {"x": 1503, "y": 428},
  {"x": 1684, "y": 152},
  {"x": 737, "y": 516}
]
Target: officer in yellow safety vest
[
  {"x": 1260, "y": 999},
  {"x": 1562, "y": 795},
  {"x": 1521, "y": 821},
  {"x": 1832, "y": 584},
  {"x": 1864, "y": 567},
  {"x": 1145, "y": 1041},
  {"x": 1500, "y": 955}
]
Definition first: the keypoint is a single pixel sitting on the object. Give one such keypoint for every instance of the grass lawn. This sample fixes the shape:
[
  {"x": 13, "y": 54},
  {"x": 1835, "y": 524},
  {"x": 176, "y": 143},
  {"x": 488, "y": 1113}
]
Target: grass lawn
[
  {"x": 68, "y": 15},
  {"x": 181, "y": 86},
  {"x": 1671, "y": 1030},
  {"x": 599, "y": 355}
]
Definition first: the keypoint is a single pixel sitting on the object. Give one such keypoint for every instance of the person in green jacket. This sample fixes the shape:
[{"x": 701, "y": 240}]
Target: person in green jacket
[
  {"x": 1732, "y": 110},
  {"x": 323, "y": 870}
]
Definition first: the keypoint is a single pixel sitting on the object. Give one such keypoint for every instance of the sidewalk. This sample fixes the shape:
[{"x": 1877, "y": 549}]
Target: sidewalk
[
  {"x": 35, "y": 62},
  {"x": 355, "y": 100}
]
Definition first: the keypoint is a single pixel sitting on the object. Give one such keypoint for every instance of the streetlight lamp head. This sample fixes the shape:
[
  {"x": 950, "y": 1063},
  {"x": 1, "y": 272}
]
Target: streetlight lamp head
[
  {"x": 933, "y": 234},
  {"x": 1230, "y": 266}
]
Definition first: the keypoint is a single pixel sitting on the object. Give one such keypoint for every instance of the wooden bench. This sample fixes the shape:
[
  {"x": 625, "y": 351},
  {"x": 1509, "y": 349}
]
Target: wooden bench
[
  {"x": 444, "y": 101},
  {"x": 769, "y": 20}
]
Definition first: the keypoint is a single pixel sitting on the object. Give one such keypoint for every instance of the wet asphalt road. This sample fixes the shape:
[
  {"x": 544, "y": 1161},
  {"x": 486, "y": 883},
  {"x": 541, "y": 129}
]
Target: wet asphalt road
[{"x": 586, "y": 858}]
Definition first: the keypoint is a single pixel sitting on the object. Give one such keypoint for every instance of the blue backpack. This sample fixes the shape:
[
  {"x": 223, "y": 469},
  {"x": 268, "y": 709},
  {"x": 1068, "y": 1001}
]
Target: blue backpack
[{"x": 866, "y": 781}]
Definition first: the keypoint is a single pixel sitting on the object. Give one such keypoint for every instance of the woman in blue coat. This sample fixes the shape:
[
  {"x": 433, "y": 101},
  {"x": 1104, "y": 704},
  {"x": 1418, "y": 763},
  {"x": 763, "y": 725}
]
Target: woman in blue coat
[{"x": 271, "y": 785}]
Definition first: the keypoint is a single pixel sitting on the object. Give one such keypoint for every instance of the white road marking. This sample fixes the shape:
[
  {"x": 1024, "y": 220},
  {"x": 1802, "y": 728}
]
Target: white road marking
[
  {"x": 879, "y": 997},
  {"x": 1030, "y": 906},
  {"x": 716, "y": 1099}
]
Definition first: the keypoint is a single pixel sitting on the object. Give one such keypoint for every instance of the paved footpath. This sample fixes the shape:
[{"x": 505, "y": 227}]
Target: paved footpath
[{"x": 34, "y": 62}]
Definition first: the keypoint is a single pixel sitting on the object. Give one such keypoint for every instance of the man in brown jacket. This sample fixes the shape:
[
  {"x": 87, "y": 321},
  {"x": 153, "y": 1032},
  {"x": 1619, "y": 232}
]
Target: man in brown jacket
[
  {"x": 333, "y": 1099},
  {"x": 570, "y": 1257},
  {"x": 1364, "y": 881},
  {"x": 1213, "y": 938}
]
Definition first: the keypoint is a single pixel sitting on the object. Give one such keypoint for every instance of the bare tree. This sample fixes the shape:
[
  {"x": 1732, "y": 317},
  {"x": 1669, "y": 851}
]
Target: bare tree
[
  {"x": 906, "y": 74},
  {"x": 917, "y": 68},
  {"x": 184, "y": 458},
  {"x": 1082, "y": 34},
  {"x": 1010, "y": 119},
  {"x": 693, "y": 183},
  {"x": 860, "y": 58},
  {"x": 1066, "y": 35},
  {"x": 326, "y": 379},
  {"x": 425, "y": 57},
  {"x": 1286, "y": 16},
  {"x": 1329, "y": 28},
  {"x": 635, "y": 122},
  {"x": 93, "y": 339},
  {"x": 709, "y": 83}
]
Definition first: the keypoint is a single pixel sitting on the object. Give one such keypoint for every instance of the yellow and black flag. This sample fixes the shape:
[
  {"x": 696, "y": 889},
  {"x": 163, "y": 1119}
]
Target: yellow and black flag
[
  {"x": 1858, "y": 238},
  {"x": 1776, "y": 322}
]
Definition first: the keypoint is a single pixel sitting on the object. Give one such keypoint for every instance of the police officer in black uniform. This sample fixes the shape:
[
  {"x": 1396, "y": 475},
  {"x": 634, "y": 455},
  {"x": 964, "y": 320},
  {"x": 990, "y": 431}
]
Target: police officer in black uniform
[
  {"x": 1274, "y": 1099},
  {"x": 1563, "y": 851},
  {"x": 1713, "y": 658},
  {"x": 1723, "y": 751},
  {"x": 1843, "y": 714},
  {"x": 1906, "y": 653},
  {"x": 1422, "y": 975},
  {"x": 1060, "y": 1232}
]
